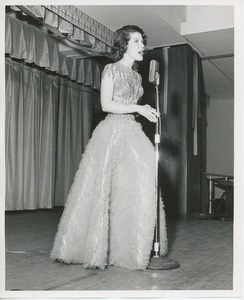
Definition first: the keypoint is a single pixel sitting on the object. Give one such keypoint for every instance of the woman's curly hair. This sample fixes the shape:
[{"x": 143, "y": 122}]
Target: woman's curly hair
[{"x": 121, "y": 39}]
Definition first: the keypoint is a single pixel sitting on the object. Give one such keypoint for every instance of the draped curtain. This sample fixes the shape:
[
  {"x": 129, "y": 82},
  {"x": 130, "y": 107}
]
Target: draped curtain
[
  {"x": 35, "y": 47},
  {"x": 31, "y": 108},
  {"x": 48, "y": 123},
  {"x": 49, "y": 104}
]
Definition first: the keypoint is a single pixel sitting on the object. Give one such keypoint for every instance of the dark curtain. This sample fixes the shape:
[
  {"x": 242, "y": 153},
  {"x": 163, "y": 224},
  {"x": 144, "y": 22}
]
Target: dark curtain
[{"x": 182, "y": 147}]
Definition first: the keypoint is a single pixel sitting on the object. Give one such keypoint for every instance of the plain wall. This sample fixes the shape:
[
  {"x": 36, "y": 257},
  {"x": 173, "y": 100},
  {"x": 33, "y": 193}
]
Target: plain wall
[{"x": 220, "y": 137}]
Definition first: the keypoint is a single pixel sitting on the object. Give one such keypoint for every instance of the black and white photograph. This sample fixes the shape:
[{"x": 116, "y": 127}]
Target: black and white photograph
[{"x": 121, "y": 149}]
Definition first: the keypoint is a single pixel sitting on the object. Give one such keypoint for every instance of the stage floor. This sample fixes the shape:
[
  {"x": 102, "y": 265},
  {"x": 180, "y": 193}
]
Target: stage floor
[{"x": 202, "y": 247}]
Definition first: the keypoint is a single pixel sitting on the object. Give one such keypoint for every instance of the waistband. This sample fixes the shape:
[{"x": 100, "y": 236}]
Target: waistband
[{"x": 120, "y": 116}]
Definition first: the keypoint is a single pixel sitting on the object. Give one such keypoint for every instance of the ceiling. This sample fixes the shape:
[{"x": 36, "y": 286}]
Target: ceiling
[{"x": 208, "y": 29}]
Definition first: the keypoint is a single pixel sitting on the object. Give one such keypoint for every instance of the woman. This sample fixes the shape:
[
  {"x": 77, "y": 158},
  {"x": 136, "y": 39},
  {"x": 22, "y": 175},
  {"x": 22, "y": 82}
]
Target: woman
[{"x": 110, "y": 212}]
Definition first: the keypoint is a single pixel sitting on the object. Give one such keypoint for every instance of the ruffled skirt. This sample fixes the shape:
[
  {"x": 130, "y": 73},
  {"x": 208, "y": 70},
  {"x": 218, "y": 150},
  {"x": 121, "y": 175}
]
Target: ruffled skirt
[{"x": 110, "y": 213}]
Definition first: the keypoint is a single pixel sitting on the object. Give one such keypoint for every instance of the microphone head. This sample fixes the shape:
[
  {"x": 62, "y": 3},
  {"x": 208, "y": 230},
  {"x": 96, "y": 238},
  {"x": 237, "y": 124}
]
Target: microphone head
[{"x": 153, "y": 68}]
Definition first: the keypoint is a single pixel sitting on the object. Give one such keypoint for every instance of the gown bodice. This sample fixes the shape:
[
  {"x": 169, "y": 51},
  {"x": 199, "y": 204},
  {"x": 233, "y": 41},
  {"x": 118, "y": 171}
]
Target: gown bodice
[{"x": 127, "y": 83}]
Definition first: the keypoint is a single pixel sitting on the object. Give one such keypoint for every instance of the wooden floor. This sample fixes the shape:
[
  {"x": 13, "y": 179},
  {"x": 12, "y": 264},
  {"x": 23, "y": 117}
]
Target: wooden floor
[{"x": 203, "y": 248}]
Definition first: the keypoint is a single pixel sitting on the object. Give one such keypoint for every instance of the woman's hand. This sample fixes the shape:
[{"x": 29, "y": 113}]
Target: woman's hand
[{"x": 148, "y": 112}]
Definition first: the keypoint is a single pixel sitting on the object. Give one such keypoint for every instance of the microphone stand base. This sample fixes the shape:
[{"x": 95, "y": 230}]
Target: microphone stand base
[{"x": 162, "y": 263}]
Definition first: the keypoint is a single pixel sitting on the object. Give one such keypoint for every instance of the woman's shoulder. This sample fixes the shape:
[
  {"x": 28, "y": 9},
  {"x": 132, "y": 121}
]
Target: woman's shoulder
[
  {"x": 111, "y": 66},
  {"x": 110, "y": 69}
]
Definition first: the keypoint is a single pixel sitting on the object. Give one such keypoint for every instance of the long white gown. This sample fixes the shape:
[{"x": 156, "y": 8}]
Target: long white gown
[{"x": 110, "y": 213}]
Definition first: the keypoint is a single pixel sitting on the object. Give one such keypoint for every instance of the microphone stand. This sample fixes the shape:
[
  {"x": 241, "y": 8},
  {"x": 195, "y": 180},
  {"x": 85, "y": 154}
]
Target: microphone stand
[
  {"x": 159, "y": 262},
  {"x": 157, "y": 145}
]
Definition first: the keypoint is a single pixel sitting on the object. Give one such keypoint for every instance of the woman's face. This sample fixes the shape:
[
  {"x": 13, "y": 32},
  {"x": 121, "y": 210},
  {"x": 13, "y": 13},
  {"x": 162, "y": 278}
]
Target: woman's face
[{"x": 135, "y": 46}]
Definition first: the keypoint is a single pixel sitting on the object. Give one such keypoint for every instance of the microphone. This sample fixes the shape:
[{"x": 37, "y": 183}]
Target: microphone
[{"x": 154, "y": 72}]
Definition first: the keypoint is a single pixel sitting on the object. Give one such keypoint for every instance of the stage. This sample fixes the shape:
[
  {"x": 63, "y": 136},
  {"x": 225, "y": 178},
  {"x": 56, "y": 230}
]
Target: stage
[{"x": 203, "y": 247}]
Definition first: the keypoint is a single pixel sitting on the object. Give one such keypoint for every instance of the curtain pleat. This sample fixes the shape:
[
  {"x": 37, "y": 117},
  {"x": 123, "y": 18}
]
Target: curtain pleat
[
  {"x": 65, "y": 27},
  {"x": 88, "y": 72},
  {"x": 73, "y": 134},
  {"x": 37, "y": 10},
  {"x": 8, "y": 34},
  {"x": 42, "y": 50},
  {"x": 47, "y": 141},
  {"x": 18, "y": 46},
  {"x": 96, "y": 76},
  {"x": 80, "y": 35},
  {"x": 51, "y": 19},
  {"x": 28, "y": 139},
  {"x": 166, "y": 78},
  {"x": 54, "y": 59},
  {"x": 195, "y": 105},
  {"x": 80, "y": 70}
]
